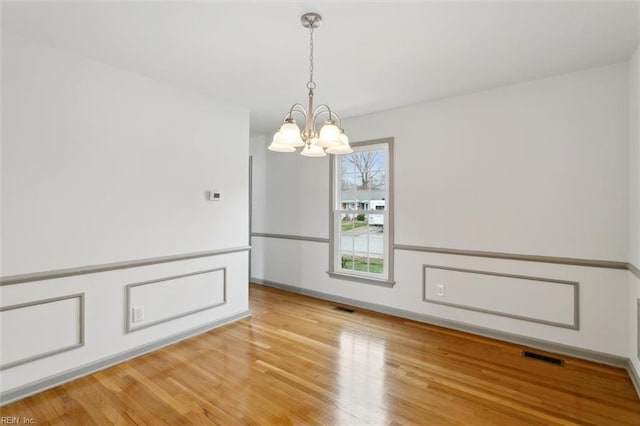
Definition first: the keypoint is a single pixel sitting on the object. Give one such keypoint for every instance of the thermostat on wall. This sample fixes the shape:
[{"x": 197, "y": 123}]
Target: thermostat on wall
[{"x": 214, "y": 196}]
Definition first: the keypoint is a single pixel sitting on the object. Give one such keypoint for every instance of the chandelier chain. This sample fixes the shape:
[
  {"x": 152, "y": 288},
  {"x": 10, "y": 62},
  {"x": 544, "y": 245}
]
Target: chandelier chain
[{"x": 311, "y": 84}]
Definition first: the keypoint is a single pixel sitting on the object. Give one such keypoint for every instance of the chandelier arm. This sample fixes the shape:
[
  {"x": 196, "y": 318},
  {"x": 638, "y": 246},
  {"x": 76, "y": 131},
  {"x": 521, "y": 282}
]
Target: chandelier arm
[
  {"x": 296, "y": 108},
  {"x": 324, "y": 109},
  {"x": 337, "y": 119}
]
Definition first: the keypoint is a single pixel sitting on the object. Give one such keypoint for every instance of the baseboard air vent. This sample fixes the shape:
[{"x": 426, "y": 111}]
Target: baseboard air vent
[
  {"x": 543, "y": 358},
  {"x": 343, "y": 309}
]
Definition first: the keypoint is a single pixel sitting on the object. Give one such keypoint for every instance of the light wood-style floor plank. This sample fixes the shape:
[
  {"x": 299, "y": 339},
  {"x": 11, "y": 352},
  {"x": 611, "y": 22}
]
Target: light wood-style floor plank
[{"x": 298, "y": 361}]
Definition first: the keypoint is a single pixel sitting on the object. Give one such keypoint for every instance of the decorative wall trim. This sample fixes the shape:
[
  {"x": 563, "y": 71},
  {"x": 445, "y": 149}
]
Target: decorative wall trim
[
  {"x": 129, "y": 328},
  {"x": 81, "y": 322},
  {"x": 576, "y": 296},
  {"x": 634, "y": 270},
  {"x": 523, "y": 257},
  {"x": 74, "y": 373},
  {"x": 290, "y": 237},
  {"x": 92, "y": 269},
  {"x": 543, "y": 345},
  {"x": 590, "y": 263}
]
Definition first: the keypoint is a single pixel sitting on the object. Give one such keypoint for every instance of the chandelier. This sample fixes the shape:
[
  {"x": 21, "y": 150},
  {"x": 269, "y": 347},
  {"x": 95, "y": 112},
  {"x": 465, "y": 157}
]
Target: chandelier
[{"x": 331, "y": 138}]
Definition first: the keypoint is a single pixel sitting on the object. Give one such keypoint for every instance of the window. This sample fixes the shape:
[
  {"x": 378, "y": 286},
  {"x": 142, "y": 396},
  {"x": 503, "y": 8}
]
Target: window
[{"x": 362, "y": 214}]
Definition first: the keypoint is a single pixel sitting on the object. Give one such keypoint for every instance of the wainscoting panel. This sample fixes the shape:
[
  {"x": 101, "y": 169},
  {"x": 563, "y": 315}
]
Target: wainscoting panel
[
  {"x": 174, "y": 297},
  {"x": 536, "y": 299},
  {"x": 47, "y": 327}
]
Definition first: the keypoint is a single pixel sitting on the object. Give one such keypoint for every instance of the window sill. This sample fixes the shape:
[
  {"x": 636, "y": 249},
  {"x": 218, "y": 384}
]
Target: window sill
[{"x": 361, "y": 279}]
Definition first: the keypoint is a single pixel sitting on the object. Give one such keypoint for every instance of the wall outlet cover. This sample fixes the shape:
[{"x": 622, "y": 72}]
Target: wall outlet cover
[{"x": 137, "y": 314}]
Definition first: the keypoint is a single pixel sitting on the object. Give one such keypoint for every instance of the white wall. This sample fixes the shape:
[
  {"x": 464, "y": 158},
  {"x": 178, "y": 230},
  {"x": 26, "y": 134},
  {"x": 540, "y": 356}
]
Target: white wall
[
  {"x": 100, "y": 165},
  {"x": 634, "y": 157},
  {"x": 634, "y": 204},
  {"x": 94, "y": 156},
  {"x": 538, "y": 168},
  {"x": 290, "y": 192}
]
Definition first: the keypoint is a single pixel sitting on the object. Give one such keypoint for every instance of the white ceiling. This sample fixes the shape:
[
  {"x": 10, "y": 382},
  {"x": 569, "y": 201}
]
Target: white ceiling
[{"x": 369, "y": 56}]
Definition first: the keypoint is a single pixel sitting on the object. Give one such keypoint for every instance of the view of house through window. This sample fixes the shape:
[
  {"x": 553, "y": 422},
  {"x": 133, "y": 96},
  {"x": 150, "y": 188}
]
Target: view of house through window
[{"x": 361, "y": 211}]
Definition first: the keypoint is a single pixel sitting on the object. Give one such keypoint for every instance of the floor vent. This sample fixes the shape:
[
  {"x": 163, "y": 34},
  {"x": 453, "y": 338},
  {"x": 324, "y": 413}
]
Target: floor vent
[
  {"x": 543, "y": 358},
  {"x": 341, "y": 309}
]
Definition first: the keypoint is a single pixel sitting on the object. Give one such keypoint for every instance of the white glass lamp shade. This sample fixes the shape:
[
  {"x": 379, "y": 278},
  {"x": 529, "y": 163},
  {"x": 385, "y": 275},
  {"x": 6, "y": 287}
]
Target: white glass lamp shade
[
  {"x": 290, "y": 134},
  {"x": 281, "y": 148},
  {"x": 329, "y": 135},
  {"x": 344, "y": 148},
  {"x": 313, "y": 150},
  {"x": 277, "y": 147}
]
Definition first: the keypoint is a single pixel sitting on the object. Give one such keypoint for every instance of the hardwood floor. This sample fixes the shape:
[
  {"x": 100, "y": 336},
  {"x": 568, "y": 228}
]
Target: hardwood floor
[{"x": 299, "y": 361}]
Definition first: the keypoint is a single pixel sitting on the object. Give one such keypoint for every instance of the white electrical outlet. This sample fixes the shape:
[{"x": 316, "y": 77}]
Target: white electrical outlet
[
  {"x": 138, "y": 314},
  {"x": 440, "y": 290}
]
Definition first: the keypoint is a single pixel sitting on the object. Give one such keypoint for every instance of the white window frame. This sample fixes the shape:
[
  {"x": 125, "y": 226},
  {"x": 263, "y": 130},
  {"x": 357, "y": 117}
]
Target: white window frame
[{"x": 335, "y": 228}]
